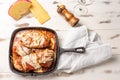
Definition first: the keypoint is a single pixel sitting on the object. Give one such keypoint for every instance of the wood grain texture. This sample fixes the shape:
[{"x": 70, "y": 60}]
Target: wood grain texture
[
  {"x": 107, "y": 70},
  {"x": 103, "y": 16},
  {"x": 1, "y": 39},
  {"x": 22, "y": 25}
]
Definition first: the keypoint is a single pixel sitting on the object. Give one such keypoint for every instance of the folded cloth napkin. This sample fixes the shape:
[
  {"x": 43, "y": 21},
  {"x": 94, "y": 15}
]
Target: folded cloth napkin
[{"x": 96, "y": 51}]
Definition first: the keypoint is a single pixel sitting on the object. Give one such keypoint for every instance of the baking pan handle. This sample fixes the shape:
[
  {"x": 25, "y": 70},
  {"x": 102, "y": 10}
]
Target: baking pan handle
[{"x": 76, "y": 50}]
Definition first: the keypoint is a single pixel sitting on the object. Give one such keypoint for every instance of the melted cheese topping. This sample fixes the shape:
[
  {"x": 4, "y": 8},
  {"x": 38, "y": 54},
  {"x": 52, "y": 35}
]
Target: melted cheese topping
[
  {"x": 46, "y": 56},
  {"x": 32, "y": 60},
  {"x": 34, "y": 39},
  {"x": 21, "y": 50}
]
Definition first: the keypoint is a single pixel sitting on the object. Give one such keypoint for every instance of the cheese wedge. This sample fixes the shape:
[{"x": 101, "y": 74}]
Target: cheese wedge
[
  {"x": 19, "y": 8},
  {"x": 39, "y": 12}
]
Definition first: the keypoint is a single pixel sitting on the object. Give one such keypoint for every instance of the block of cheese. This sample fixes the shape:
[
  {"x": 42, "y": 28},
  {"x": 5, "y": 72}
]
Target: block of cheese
[
  {"x": 19, "y": 8},
  {"x": 39, "y": 12}
]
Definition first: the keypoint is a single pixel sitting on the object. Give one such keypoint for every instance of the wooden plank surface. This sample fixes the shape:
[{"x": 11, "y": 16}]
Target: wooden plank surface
[
  {"x": 108, "y": 70},
  {"x": 103, "y": 17}
]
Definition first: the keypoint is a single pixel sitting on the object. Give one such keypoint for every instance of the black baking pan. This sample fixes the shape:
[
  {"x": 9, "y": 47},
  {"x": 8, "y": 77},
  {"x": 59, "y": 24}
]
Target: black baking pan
[{"x": 59, "y": 50}]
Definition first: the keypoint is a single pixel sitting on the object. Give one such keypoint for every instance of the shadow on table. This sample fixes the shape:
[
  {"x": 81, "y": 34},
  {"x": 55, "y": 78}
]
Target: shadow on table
[{"x": 78, "y": 25}]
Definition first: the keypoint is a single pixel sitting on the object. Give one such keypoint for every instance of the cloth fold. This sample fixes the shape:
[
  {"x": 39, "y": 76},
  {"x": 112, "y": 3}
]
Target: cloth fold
[{"x": 96, "y": 51}]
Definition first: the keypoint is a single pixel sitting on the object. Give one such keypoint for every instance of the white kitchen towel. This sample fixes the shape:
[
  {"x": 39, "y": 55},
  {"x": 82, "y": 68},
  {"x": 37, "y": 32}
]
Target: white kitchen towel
[{"x": 96, "y": 51}]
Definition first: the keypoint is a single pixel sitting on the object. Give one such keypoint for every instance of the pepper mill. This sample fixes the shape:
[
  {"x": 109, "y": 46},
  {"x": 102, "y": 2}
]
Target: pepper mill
[{"x": 68, "y": 15}]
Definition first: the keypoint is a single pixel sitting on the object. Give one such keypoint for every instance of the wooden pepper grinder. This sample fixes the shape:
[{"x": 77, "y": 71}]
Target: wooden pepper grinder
[{"x": 68, "y": 15}]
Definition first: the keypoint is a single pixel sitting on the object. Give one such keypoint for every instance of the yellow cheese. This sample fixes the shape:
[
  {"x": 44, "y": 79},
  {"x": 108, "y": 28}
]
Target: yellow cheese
[{"x": 39, "y": 12}]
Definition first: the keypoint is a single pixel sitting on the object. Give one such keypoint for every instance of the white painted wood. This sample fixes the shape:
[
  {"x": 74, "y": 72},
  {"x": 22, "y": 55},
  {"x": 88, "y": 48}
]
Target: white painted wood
[
  {"x": 98, "y": 13},
  {"x": 109, "y": 70}
]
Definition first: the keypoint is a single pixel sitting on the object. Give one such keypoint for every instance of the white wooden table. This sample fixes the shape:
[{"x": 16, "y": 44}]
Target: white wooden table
[{"x": 103, "y": 17}]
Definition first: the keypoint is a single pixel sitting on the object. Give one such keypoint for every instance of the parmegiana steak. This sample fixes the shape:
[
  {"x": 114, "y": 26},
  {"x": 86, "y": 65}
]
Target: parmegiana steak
[{"x": 34, "y": 50}]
